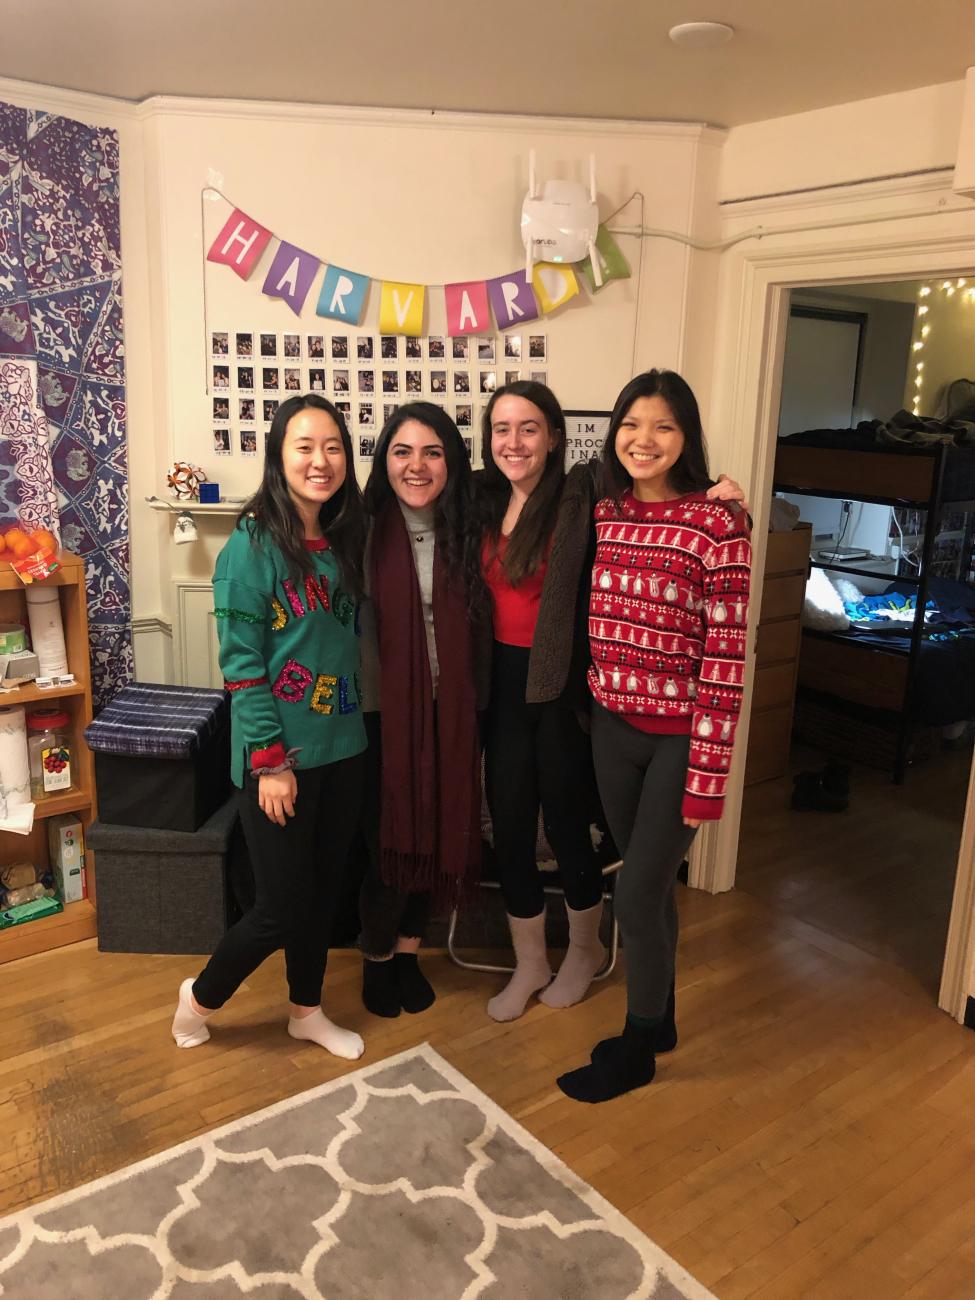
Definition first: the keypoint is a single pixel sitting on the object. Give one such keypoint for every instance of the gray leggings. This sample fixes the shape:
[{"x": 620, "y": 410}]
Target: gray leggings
[{"x": 641, "y": 783}]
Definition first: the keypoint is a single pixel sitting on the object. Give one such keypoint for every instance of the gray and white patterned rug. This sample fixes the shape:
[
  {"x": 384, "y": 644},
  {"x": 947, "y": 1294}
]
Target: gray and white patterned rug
[{"x": 399, "y": 1181}]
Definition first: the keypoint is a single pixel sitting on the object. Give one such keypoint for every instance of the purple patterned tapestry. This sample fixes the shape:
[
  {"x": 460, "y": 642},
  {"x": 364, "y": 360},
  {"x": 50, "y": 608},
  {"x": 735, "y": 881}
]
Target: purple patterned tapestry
[{"x": 62, "y": 364}]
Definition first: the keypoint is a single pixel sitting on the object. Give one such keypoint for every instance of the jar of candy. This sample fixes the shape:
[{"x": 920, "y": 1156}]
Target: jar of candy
[{"x": 49, "y": 752}]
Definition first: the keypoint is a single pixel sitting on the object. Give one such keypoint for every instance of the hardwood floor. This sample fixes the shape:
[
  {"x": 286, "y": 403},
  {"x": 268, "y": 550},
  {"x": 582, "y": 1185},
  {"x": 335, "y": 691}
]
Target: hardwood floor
[
  {"x": 813, "y": 1135},
  {"x": 880, "y": 874}
]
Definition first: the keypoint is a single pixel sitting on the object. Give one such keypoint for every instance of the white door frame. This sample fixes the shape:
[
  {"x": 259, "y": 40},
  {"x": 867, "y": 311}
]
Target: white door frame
[{"x": 750, "y": 343}]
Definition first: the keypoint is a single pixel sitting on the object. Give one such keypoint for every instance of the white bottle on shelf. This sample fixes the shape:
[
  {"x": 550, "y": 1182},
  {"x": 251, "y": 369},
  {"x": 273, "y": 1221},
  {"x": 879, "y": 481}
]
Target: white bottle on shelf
[{"x": 46, "y": 629}]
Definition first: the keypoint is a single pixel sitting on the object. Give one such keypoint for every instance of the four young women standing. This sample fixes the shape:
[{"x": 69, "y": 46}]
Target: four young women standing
[{"x": 656, "y": 632}]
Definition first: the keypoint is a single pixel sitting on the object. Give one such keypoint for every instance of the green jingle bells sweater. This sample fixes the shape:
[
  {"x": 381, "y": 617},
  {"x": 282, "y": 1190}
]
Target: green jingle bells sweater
[{"x": 289, "y": 654}]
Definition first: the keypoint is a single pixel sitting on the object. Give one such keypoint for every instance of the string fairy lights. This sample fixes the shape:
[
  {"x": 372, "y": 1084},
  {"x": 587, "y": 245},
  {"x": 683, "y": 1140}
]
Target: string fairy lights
[{"x": 946, "y": 289}]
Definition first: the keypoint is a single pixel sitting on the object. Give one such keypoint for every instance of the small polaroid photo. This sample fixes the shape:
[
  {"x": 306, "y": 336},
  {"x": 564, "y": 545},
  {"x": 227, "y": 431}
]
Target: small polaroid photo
[
  {"x": 344, "y": 409},
  {"x": 340, "y": 347},
  {"x": 414, "y": 348},
  {"x": 512, "y": 377},
  {"x": 367, "y": 446},
  {"x": 221, "y": 376},
  {"x": 367, "y": 415},
  {"x": 540, "y": 377},
  {"x": 436, "y": 348},
  {"x": 220, "y": 344},
  {"x": 245, "y": 345},
  {"x": 292, "y": 347},
  {"x": 414, "y": 382},
  {"x": 248, "y": 442},
  {"x": 460, "y": 349},
  {"x": 462, "y": 381},
  {"x": 245, "y": 378},
  {"x": 485, "y": 351},
  {"x": 537, "y": 347},
  {"x": 292, "y": 379},
  {"x": 269, "y": 345},
  {"x": 469, "y": 447},
  {"x": 366, "y": 382},
  {"x": 512, "y": 347},
  {"x": 389, "y": 347},
  {"x": 221, "y": 442},
  {"x": 365, "y": 348},
  {"x": 464, "y": 415},
  {"x": 389, "y": 410},
  {"x": 270, "y": 378},
  {"x": 270, "y": 410},
  {"x": 316, "y": 380},
  {"x": 316, "y": 347},
  {"x": 340, "y": 381},
  {"x": 487, "y": 382},
  {"x": 438, "y": 381},
  {"x": 245, "y": 410},
  {"x": 221, "y": 408},
  {"x": 390, "y": 382}
]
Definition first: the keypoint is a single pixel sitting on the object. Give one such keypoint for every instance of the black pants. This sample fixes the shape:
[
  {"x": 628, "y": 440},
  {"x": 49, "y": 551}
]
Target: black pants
[
  {"x": 538, "y": 754},
  {"x": 386, "y": 913},
  {"x": 641, "y": 782},
  {"x": 297, "y": 874}
]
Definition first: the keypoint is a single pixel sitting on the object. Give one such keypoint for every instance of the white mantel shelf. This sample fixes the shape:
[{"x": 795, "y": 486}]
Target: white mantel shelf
[{"x": 196, "y": 507}]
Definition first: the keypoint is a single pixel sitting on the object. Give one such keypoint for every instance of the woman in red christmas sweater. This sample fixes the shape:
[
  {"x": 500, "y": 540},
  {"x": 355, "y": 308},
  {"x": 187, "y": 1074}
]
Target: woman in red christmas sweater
[{"x": 667, "y": 629}]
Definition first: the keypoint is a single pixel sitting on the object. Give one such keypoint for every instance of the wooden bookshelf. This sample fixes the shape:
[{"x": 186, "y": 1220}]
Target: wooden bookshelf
[{"x": 77, "y": 920}]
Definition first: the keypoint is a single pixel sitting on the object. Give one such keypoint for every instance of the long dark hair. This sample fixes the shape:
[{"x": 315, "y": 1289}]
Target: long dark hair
[
  {"x": 342, "y": 516},
  {"x": 689, "y": 473},
  {"x": 529, "y": 538},
  {"x": 452, "y": 510}
]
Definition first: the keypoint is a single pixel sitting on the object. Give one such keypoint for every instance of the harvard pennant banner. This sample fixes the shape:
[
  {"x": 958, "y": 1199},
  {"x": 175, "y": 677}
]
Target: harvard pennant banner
[
  {"x": 239, "y": 244},
  {"x": 512, "y": 299},
  {"x": 468, "y": 311},
  {"x": 401, "y": 308},
  {"x": 612, "y": 263},
  {"x": 554, "y": 284},
  {"x": 343, "y": 295},
  {"x": 290, "y": 276}
]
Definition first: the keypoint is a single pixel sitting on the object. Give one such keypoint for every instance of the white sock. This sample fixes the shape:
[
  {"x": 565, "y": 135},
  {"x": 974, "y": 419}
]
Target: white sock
[
  {"x": 189, "y": 1027},
  {"x": 317, "y": 1028}
]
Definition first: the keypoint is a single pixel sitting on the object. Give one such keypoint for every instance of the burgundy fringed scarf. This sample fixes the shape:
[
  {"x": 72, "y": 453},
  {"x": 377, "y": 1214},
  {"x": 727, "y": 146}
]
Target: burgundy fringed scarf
[{"x": 431, "y": 799}]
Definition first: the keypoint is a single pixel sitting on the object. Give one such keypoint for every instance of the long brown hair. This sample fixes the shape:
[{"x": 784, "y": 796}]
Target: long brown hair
[{"x": 529, "y": 539}]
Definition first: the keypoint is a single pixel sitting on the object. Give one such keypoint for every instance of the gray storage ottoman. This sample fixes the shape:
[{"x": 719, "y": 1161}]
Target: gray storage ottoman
[{"x": 163, "y": 891}]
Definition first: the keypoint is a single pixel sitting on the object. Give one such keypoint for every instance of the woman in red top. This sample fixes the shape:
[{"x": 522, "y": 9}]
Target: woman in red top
[{"x": 536, "y": 537}]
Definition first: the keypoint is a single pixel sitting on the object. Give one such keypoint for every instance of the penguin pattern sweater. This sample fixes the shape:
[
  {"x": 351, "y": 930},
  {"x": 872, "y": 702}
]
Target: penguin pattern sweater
[{"x": 667, "y": 628}]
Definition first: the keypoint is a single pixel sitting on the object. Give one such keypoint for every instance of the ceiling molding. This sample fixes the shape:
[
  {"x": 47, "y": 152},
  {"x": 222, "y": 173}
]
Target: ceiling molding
[
  {"x": 255, "y": 110},
  {"x": 57, "y": 99}
]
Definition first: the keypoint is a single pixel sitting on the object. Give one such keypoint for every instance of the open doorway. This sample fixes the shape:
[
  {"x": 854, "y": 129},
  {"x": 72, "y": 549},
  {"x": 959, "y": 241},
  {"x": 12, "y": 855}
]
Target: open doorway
[{"x": 860, "y": 742}]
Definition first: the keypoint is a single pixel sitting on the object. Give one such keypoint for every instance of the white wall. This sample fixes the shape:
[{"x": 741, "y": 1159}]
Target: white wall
[{"x": 949, "y": 348}]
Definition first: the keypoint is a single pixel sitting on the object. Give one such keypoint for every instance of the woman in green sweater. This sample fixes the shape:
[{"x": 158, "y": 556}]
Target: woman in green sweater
[{"x": 286, "y": 590}]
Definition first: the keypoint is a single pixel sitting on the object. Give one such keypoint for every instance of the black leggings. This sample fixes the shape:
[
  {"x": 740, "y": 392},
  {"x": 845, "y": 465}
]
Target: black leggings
[
  {"x": 298, "y": 871},
  {"x": 386, "y": 913},
  {"x": 538, "y": 754},
  {"x": 641, "y": 782}
]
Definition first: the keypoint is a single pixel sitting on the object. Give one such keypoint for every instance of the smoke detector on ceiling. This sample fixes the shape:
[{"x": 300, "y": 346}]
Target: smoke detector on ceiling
[{"x": 701, "y": 36}]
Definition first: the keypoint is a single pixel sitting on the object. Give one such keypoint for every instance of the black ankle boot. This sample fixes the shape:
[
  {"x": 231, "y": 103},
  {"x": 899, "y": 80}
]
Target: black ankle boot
[
  {"x": 665, "y": 1042},
  {"x": 415, "y": 990},
  {"x": 380, "y": 990},
  {"x": 632, "y": 1066}
]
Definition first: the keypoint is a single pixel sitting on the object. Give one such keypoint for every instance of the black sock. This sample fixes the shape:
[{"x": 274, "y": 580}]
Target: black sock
[
  {"x": 380, "y": 992},
  {"x": 632, "y": 1066},
  {"x": 415, "y": 990},
  {"x": 665, "y": 1041}
]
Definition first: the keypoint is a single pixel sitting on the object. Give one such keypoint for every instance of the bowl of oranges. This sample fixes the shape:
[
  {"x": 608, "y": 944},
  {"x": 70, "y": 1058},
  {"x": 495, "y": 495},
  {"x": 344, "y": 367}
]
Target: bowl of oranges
[{"x": 31, "y": 552}]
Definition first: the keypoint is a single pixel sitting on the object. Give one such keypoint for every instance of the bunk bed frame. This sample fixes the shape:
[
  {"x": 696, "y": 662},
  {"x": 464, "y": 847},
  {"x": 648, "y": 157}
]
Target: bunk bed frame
[{"x": 926, "y": 480}]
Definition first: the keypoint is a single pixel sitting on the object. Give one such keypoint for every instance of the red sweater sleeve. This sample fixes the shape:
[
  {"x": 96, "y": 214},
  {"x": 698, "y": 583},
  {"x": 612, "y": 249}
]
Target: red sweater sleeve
[{"x": 727, "y": 570}]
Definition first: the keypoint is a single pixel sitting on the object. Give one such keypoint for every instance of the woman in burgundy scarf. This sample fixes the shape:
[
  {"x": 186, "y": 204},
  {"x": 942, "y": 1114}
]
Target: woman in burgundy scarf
[{"x": 424, "y": 647}]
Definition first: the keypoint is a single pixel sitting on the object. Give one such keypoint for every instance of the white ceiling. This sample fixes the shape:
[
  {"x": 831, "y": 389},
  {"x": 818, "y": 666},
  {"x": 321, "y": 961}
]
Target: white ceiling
[{"x": 576, "y": 58}]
